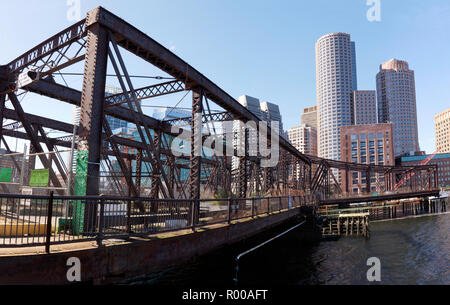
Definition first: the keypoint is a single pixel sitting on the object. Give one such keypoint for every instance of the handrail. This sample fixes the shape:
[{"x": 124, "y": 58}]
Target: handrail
[
  {"x": 263, "y": 244},
  {"x": 109, "y": 216},
  {"x": 119, "y": 198}
]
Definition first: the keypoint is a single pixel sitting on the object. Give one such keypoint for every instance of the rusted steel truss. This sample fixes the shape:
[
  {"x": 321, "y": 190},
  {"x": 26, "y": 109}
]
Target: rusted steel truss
[{"x": 147, "y": 166}]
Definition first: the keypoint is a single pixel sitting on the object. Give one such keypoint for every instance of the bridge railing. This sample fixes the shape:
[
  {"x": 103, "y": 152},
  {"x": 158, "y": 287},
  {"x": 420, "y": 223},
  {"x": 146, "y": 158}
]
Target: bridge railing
[
  {"x": 387, "y": 210},
  {"x": 400, "y": 191},
  {"x": 25, "y": 219}
]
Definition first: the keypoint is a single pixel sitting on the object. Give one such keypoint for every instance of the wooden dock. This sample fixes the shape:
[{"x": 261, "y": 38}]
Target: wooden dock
[
  {"x": 356, "y": 224},
  {"x": 354, "y": 221}
]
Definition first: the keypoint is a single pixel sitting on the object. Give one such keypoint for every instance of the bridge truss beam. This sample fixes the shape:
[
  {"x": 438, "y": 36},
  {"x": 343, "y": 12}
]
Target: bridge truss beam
[{"x": 96, "y": 41}]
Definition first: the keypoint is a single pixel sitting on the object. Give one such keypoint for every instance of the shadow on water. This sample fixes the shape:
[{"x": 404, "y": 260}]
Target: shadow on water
[{"x": 411, "y": 251}]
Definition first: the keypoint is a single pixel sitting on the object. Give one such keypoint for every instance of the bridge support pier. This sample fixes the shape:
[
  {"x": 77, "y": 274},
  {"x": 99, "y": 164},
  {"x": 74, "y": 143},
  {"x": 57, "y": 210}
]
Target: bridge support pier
[{"x": 91, "y": 121}]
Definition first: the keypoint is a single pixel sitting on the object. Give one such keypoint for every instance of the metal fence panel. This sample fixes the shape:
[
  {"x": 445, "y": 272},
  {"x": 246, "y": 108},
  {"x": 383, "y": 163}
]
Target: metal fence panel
[{"x": 24, "y": 219}]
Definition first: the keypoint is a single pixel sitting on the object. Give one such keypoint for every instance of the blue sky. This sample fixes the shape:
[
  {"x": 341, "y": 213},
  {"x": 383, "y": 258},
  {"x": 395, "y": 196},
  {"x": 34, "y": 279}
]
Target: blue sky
[{"x": 264, "y": 48}]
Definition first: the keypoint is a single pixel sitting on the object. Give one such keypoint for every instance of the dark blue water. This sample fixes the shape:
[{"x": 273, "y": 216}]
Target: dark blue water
[{"x": 411, "y": 251}]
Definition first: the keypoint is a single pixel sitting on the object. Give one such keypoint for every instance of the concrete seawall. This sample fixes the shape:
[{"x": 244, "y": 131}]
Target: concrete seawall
[{"x": 119, "y": 262}]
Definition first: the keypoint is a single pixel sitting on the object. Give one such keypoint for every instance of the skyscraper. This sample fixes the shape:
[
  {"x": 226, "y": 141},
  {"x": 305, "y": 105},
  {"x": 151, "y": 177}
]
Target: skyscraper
[
  {"x": 253, "y": 104},
  {"x": 309, "y": 116},
  {"x": 265, "y": 111},
  {"x": 364, "y": 107},
  {"x": 304, "y": 139},
  {"x": 442, "y": 124},
  {"x": 271, "y": 113},
  {"x": 335, "y": 82},
  {"x": 397, "y": 104}
]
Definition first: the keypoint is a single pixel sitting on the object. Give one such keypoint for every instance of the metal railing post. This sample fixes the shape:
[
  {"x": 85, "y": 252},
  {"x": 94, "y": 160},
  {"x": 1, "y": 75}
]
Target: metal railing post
[
  {"x": 229, "y": 210},
  {"x": 100, "y": 223},
  {"x": 281, "y": 204},
  {"x": 129, "y": 217},
  {"x": 193, "y": 218},
  {"x": 22, "y": 168},
  {"x": 49, "y": 223},
  {"x": 253, "y": 207}
]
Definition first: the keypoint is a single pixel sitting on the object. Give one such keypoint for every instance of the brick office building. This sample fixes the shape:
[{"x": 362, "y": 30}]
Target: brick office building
[{"x": 366, "y": 144}]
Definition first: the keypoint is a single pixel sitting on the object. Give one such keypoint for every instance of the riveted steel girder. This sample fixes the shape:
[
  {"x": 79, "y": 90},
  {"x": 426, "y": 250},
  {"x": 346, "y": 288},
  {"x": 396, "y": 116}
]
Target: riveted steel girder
[
  {"x": 147, "y": 92},
  {"x": 51, "y": 52},
  {"x": 88, "y": 40},
  {"x": 87, "y": 180},
  {"x": 92, "y": 108},
  {"x": 148, "y": 49},
  {"x": 196, "y": 143}
]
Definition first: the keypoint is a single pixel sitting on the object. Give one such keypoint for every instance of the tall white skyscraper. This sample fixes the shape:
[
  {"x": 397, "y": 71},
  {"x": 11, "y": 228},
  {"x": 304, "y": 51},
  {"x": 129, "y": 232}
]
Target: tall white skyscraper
[
  {"x": 304, "y": 138},
  {"x": 336, "y": 80}
]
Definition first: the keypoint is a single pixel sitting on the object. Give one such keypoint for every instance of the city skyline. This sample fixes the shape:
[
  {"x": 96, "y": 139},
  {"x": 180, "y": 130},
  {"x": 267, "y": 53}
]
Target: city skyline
[
  {"x": 293, "y": 34},
  {"x": 172, "y": 169}
]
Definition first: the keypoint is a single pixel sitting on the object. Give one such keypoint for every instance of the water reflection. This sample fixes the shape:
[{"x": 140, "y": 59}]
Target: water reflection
[{"x": 412, "y": 251}]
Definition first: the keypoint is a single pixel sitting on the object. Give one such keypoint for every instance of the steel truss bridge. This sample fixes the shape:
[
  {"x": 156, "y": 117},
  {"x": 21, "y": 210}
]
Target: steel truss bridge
[{"x": 99, "y": 40}]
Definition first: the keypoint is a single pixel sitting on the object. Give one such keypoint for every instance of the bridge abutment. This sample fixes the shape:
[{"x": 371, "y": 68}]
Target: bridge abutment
[{"x": 113, "y": 263}]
